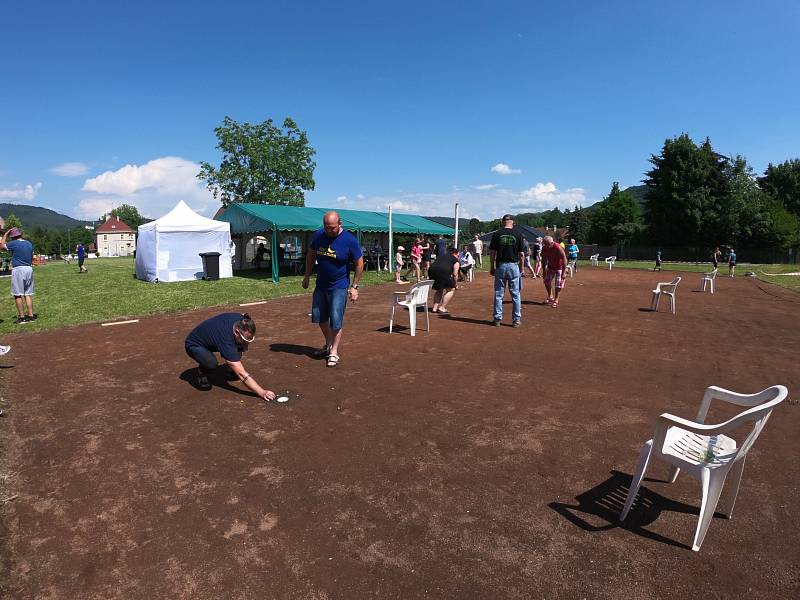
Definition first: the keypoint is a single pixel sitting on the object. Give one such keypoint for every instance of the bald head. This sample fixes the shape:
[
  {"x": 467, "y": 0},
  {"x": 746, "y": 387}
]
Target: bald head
[{"x": 332, "y": 223}]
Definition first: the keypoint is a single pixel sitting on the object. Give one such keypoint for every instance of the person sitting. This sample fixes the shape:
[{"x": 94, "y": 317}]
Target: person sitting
[
  {"x": 229, "y": 334},
  {"x": 466, "y": 264}
]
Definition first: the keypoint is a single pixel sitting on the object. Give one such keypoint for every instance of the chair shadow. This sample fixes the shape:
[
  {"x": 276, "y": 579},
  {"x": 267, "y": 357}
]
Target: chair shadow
[
  {"x": 7, "y": 366},
  {"x": 606, "y": 500},
  {"x": 400, "y": 328},
  {"x": 648, "y": 309},
  {"x": 293, "y": 349},
  {"x": 218, "y": 378}
]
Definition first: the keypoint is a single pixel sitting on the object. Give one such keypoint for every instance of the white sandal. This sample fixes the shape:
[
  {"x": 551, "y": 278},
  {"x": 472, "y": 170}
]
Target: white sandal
[{"x": 333, "y": 360}]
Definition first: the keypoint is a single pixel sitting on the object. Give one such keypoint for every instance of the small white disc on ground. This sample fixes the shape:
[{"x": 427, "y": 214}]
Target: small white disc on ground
[{"x": 283, "y": 398}]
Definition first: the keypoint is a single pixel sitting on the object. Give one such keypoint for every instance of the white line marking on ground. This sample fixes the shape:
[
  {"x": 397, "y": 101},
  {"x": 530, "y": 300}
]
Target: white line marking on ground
[
  {"x": 119, "y": 323},
  {"x": 253, "y": 303}
]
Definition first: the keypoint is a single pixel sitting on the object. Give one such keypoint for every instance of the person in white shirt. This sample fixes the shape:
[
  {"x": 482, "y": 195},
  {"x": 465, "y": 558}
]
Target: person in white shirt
[{"x": 477, "y": 247}]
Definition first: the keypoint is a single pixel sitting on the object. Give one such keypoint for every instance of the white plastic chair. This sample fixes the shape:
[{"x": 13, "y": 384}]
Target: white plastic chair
[
  {"x": 667, "y": 289},
  {"x": 709, "y": 278},
  {"x": 610, "y": 260},
  {"x": 703, "y": 451},
  {"x": 568, "y": 270},
  {"x": 417, "y": 295},
  {"x": 593, "y": 259}
]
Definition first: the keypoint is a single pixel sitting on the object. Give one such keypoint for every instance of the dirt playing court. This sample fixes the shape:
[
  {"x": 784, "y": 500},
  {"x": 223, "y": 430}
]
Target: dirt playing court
[{"x": 474, "y": 462}]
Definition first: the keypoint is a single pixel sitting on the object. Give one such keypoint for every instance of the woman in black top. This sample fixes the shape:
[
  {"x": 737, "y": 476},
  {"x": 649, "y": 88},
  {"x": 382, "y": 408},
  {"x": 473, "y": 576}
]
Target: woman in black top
[{"x": 444, "y": 272}]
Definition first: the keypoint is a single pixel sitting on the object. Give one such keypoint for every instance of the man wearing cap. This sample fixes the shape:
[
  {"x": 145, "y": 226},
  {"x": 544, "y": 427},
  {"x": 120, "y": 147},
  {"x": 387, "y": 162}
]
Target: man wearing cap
[
  {"x": 335, "y": 250},
  {"x": 22, "y": 287},
  {"x": 505, "y": 263}
]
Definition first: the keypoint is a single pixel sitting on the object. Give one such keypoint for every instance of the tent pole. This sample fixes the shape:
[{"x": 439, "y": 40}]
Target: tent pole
[
  {"x": 390, "y": 258},
  {"x": 455, "y": 240},
  {"x": 276, "y": 274}
]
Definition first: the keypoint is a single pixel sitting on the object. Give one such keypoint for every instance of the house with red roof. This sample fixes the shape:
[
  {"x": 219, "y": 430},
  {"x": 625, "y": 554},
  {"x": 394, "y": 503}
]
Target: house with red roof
[{"x": 115, "y": 238}]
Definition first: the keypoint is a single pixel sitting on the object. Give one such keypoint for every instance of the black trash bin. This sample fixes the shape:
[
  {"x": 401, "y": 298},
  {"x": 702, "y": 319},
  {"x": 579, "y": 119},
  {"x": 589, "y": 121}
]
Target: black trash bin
[{"x": 210, "y": 265}]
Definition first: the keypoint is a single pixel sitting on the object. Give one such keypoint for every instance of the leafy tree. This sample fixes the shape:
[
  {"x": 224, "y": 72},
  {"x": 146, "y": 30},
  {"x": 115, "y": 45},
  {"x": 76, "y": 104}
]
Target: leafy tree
[
  {"x": 13, "y": 220},
  {"x": 617, "y": 219},
  {"x": 683, "y": 191},
  {"x": 782, "y": 182},
  {"x": 579, "y": 224},
  {"x": 129, "y": 215},
  {"x": 261, "y": 164}
]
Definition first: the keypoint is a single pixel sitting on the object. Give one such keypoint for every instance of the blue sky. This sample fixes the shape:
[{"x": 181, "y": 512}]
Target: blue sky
[{"x": 409, "y": 103}]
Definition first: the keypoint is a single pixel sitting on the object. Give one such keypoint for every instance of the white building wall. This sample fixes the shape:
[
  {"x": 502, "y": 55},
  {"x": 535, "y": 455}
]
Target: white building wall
[{"x": 116, "y": 244}]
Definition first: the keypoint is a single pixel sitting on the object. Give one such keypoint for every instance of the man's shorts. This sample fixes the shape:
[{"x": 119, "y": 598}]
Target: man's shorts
[
  {"x": 527, "y": 261},
  {"x": 555, "y": 276},
  {"x": 80, "y": 262},
  {"x": 329, "y": 305},
  {"x": 22, "y": 281}
]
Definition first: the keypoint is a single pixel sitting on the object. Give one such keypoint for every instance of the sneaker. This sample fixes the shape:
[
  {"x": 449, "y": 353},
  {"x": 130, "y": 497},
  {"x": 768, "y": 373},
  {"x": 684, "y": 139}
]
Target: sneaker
[
  {"x": 496, "y": 323},
  {"x": 516, "y": 324},
  {"x": 202, "y": 380},
  {"x": 4, "y": 350},
  {"x": 21, "y": 321},
  {"x": 32, "y": 317}
]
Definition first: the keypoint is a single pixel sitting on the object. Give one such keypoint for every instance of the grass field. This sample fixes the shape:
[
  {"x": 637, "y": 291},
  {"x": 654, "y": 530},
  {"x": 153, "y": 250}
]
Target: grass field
[{"x": 109, "y": 290}]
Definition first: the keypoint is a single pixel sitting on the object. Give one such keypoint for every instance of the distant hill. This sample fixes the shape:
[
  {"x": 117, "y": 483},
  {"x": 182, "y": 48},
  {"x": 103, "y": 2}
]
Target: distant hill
[{"x": 36, "y": 216}]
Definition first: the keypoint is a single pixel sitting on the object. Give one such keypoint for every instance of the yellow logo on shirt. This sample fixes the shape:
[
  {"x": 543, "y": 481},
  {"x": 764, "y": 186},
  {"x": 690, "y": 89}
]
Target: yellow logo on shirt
[{"x": 329, "y": 252}]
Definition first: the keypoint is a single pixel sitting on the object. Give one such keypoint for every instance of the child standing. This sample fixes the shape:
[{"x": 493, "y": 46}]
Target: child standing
[
  {"x": 658, "y": 261},
  {"x": 398, "y": 265},
  {"x": 731, "y": 263}
]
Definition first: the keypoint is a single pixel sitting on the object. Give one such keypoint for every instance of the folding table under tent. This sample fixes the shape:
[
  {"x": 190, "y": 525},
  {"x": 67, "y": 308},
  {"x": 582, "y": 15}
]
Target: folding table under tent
[
  {"x": 261, "y": 218},
  {"x": 168, "y": 249}
]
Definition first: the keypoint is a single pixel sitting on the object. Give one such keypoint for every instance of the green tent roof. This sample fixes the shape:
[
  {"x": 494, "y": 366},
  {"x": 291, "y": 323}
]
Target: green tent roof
[{"x": 254, "y": 218}]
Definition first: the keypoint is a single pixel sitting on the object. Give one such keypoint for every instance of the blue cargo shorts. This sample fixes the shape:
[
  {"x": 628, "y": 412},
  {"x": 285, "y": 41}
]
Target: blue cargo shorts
[{"x": 329, "y": 305}]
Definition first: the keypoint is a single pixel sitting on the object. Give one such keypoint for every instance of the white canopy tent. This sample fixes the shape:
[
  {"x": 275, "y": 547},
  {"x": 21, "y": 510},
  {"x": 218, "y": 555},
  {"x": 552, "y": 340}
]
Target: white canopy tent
[{"x": 168, "y": 249}]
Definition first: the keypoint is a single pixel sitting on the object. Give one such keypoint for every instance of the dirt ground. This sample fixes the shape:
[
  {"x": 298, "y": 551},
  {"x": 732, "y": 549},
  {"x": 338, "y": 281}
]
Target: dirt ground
[{"x": 473, "y": 462}]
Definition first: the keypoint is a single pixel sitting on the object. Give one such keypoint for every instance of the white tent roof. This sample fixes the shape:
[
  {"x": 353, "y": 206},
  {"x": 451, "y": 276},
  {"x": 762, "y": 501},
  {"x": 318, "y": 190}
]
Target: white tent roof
[{"x": 183, "y": 218}]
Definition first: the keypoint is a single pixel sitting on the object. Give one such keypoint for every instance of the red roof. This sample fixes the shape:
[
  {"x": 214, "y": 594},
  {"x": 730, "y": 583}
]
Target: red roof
[{"x": 114, "y": 225}]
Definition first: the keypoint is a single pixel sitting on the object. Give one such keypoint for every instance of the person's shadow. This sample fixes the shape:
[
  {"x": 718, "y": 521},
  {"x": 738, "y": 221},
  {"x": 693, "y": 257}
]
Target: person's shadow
[
  {"x": 294, "y": 349},
  {"x": 219, "y": 377},
  {"x": 606, "y": 500}
]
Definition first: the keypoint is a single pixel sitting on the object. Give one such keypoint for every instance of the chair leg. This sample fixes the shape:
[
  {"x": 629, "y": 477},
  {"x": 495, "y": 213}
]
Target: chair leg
[
  {"x": 673, "y": 474},
  {"x": 412, "y": 319},
  {"x": 427, "y": 319},
  {"x": 712, "y": 286},
  {"x": 736, "y": 471},
  {"x": 391, "y": 319},
  {"x": 654, "y": 302},
  {"x": 641, "y": 468},
  {"x": 712, "y": 482}
]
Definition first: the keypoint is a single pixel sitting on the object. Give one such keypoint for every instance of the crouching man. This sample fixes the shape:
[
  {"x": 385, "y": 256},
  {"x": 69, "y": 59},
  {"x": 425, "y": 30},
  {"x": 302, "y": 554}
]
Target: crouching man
[{"x": 229, "y": 334}]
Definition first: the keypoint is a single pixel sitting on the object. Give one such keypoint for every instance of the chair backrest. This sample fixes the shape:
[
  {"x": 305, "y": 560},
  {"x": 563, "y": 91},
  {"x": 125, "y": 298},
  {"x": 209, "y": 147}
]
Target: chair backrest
[
  {"x": 611, "y": 259},
  {"x": 711, "y": 275},
  {"x": 669, "y": 287},
  {"x": 418, "y": 293},
  {"x": 594, "y": 257},
  {"x": 758, "y": 415}
]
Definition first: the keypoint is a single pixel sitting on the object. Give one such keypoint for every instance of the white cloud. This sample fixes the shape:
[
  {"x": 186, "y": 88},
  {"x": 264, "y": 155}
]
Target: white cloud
[
  {"x": 154, "y": 188},
  {"x": 545, "y": 196},
  {"x": 70, "y": 169},
  {"x": 360, "y": 196},
  {"x": 504, "y": 169},
  {"x": 28, "y": 192},
  {"x": 486, "y": 186},
  {"x": 341, "y": 198},
  {"x": 405, "y": 206}
]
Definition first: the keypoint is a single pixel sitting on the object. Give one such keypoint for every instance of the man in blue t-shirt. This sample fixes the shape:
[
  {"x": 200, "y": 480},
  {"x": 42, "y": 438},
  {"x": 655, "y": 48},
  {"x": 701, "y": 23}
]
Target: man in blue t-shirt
[
  {"x": 334, "y": 249},
  {"x": 22, "y": 287},
  {"x": 81, "y": 252},
  {"x": 230, "y": 334}
]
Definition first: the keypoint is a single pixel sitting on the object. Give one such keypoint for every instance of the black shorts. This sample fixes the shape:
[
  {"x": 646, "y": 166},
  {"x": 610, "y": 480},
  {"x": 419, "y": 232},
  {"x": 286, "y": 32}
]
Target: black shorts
[
  {"x": 80, "y": 262},
  {"x": 443, "y": 281}
]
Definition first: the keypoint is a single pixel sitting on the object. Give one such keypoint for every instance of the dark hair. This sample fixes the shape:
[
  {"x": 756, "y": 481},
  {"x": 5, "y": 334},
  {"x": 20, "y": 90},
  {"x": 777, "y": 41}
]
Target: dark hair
[
  {"x": 247, "y": 326},
  {"x": 452, "y": 249}
]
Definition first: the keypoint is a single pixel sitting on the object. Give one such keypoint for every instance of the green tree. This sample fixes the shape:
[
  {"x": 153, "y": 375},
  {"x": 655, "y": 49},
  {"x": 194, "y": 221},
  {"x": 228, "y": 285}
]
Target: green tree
[
  {"x": 261, "y": 164},
  {"x": 782, "y": 182},
  {"x": 617, "y": 219},
  {"x": 684, "y": 189},
  {"x": 579, "y": 224},
  {"x": 13, "y": 220},
  {"x": 129, "y": 215}
]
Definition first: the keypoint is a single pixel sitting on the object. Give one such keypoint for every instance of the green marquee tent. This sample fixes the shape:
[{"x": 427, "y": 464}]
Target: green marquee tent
[{"x": 260, "y": 218}]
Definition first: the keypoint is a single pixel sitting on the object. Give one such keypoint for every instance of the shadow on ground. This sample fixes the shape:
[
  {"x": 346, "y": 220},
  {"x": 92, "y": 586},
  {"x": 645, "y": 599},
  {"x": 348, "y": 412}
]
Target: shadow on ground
[{"x": 606, "y": 500}]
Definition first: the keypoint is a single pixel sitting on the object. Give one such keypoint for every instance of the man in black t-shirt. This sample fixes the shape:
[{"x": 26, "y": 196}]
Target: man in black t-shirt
[
  {"x": 444, "y": 271},
  {"x": 505, "y": 263}
]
